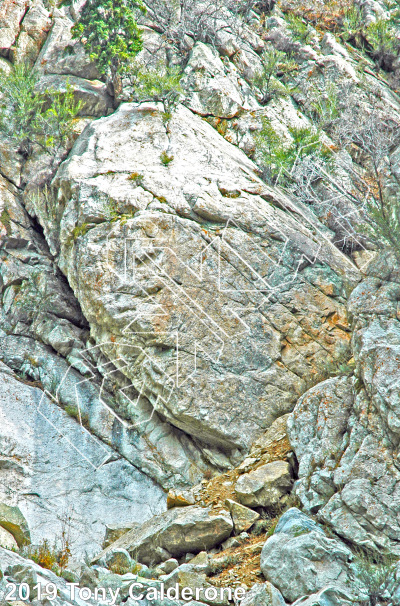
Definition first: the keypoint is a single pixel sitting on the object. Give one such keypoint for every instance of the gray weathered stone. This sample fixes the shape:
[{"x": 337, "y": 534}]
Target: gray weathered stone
[
  {"x": 263, "y": 594},
  {"x": 300, "y": 561},
  {"x": 330, "y": 596},
  {"x": 265, "y": 486},
  {"x": 176, "y": 197},
  {"x": 242, "y": 516},
  {"x": 345, "y": 430},
  {"x": 179, "y": 531},
  {"x": 7, "y": 540},
  {"x": 54, "y": 470},
  {"x": 118, "y": 559}
]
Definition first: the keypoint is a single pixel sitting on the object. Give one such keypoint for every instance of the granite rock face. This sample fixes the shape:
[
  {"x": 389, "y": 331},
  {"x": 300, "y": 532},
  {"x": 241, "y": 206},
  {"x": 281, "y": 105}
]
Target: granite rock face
[
  {"x": 57, "y": 473},
  {"x": 130, "y": 232},
  {"x": 301, "y": 560},
  {"x": 345, "y": 430}
]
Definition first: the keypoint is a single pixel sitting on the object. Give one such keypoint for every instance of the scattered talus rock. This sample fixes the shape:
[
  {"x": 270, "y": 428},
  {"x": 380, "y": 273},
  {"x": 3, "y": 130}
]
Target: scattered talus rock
[
  {"x": 265, "y": 486},
  {"x": 154, "y": 301},
  {"x": 242, "y": 517},
  {"x": 177, "y": 531},
  {"x": 300, "y": 560},
  {"x": 11, "y": 519},
  {"x": 345, "y": 431},
  {"x": 264, "y": 594},
  {"x": 54, "y": 470}
]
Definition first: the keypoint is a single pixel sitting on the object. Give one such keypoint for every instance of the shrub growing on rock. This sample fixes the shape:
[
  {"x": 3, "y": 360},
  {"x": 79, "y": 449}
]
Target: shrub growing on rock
[
  {"x": 158, "y": 83},
  {"x": 110, "y": 33},
  {"x": 31, "y": 118}
]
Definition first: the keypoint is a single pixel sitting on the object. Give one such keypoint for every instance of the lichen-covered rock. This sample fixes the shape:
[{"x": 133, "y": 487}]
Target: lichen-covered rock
[
  {"x": 265, "y": 486},
  {"x": 300, "y": 560},
  {"x": 11, "y": 519},
  {"x": 177, "y": 531}
]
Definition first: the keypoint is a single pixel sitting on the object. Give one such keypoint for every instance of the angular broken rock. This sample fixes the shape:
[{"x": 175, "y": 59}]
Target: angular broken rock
[
  {"x": 184, "y": 576},
  {"x": 265, "y": 486},
  {"x": 14, "y": 522},
  {"x": 242, "y": 516},
  {"x": 178, "y": 531},
  {"x": 300, "y": 560},
  {"x": 263, "y": 594},
  {"x": 180, "y": 498},
  {"x": 118, "y": 559},
  {"x": 330, "y": 596}
]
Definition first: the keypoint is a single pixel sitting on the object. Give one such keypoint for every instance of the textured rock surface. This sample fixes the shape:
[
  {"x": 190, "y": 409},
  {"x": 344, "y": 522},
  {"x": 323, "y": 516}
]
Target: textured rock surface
[
  {"x": 345, "y": 431},
  {"x": 300, "y": 561},
  {"x": 11, "y": 519},
  {"x": 157, "y": 290},
  {"x": 331, "y": 596},
  {"x": 265, "y": 486},
  {"x": 242, "y": 517},
  {"x": 176, "y": 531},
  {"x": 129, "y": 272},
  {"x": 263, "y": 594},
  {"x": 54, "y": 470}
]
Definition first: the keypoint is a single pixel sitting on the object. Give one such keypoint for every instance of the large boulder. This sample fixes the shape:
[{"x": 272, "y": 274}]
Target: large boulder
[
  {"x": 300, "y": 560},
  {"x": 219, "y": 343},
  {"x": 264, "y": 486},
  {"x": 176, "y": 531}
]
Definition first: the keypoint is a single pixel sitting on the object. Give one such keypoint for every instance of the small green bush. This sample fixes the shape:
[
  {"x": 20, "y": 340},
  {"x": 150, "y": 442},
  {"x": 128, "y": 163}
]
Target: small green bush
[
  {"x": 278, "y": 157},
  {"x": 375, "y": 574},
  {"x": 158, "y": 83},
  {"x": 166, "y": 158},
  {"x": 110, "y": 34},
  {"x": 352, "y": 22},
  {"x": 384, "y": 45},
  {"x": 301, "y": 31},
  {"x": 30, "y": 118},
  {"x": 273, "y": 62}
]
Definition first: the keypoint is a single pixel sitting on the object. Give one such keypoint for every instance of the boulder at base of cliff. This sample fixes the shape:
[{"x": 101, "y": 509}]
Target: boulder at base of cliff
[
  {"x": 299, "y": 559},
  {"x": 175, "y": 532},
  {"x": 265, "y": 486}
]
